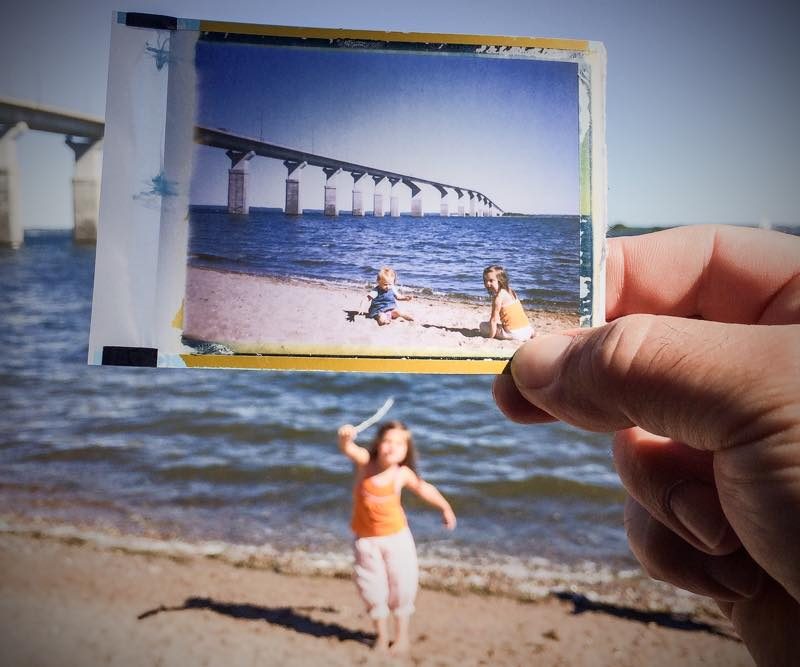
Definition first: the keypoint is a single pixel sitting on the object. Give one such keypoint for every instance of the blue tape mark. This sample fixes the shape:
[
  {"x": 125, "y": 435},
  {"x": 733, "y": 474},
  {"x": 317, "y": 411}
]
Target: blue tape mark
[
  {"x": 586, "y": 271},
  {"x": 159, "y": 186},
  {"x": 160, "y": 51},
  {"x": 188, "y": 24}
]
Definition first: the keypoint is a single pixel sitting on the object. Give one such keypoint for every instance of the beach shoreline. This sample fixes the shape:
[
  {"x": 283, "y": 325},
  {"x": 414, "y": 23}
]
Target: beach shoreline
[
  {"x": 257, "y": 314},
  {"x": 71, "y": 601}
]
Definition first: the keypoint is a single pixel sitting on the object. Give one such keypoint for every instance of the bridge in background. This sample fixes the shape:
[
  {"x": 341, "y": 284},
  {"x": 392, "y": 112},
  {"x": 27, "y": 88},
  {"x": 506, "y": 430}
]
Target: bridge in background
[
  {"x": 83, "y": 134},
  {"x": 240, "y": 150}
]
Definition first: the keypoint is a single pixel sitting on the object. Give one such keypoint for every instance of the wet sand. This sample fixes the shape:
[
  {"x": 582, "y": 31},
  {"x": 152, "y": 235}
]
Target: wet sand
[
  {"x": 260, "y": 314},
  {"x": 67, "y": 602}
]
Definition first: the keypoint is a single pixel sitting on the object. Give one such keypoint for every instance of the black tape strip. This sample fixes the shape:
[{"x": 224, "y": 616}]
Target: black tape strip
[
  {"x": 130, "y": 356},
  {"x": 156, "y": 21}
]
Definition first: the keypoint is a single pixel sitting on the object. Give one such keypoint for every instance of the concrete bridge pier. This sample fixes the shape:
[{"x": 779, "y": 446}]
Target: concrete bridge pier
[
  {"x": 377, "y": 198},
  {"x": 86, "y": 187},
  {"x": 293, "y": 204},
  {"x": 331, "y": 204},
  {"x": 11, "y": 230},
  {"x": 237, "y": 182},
  {"x": 444, "y": 209},
  {"x": 394, "y": 198},
  {"x": 359, "y": 178},
  {"x": 460, "y": 202},
  {"x": 416, "y": 198},
  {"x": 472, "y": 204}
]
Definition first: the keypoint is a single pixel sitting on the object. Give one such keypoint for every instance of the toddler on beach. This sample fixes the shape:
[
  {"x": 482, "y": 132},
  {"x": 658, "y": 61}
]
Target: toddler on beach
[
  {"x": 508, "y": 320},
  {"x": 386, "y": 571},
  {"x": 384, "y": 297}
]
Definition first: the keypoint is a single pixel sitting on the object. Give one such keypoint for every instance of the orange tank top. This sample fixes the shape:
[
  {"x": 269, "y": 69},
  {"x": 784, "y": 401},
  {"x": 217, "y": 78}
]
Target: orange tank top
[
  {"x": 513, "y": 316},
  {"x": 376, "y": 509}
]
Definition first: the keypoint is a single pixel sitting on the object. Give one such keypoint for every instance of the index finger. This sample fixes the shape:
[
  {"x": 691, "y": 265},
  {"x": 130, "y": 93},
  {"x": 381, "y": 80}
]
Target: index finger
[{"x": 714, "y": 272}]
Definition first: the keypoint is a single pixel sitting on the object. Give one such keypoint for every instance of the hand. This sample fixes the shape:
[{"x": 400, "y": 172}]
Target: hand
[
  {"x": 347, "y": 434},
  {"x": 707, "y": 414},
  {"x": 448, "y": 518}
]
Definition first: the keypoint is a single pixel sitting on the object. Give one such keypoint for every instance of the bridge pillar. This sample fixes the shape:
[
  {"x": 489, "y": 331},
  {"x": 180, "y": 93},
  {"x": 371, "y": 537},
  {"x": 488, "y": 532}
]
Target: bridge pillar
[
  {"x": 11, "y": 230},
  {"x": 86, "y": 188},
  {"x": 472, "y": 204},
  {"x": 293, "y": 205},
  {"x": 444, "y": 210},
  {"x": 394, "y": 198},
  {"x": 460, "y": 203},
  {"x": 237, "y": 182},
  {"x": 358, "y": 192},
  {"x": 416, "y": 198},
  {"x": 331, "y": 205},
  {"x": 377, "y": 198}
]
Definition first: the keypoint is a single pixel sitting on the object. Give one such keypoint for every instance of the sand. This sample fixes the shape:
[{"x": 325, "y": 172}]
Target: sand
[
  {"x": 67, "y": 602},
  {"x": 260, "y": 314}
]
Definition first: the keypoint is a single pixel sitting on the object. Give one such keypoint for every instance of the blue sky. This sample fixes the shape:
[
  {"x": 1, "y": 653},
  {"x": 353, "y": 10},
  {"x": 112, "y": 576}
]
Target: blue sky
[
  {"x": 507, "y": 128},
  {"x": 702, "y": 96}
]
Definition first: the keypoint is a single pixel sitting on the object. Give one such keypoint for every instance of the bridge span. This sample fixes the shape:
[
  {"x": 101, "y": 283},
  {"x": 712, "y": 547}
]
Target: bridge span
[
  {"x": 83, "y": 134},
  {"x": 241, "y": 149}
]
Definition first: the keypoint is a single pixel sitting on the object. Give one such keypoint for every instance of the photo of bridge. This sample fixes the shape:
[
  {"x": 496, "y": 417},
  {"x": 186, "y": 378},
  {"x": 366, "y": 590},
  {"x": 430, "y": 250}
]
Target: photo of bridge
[
  {"x": 240, "y": 150},
  {"x": 315, "y": 168}
]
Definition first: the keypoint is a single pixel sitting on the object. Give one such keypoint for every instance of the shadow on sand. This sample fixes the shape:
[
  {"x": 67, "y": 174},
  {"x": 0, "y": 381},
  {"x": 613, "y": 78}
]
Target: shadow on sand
[
  {"x": 664, "y": 619},
  {"x": 285, "y": 617}
]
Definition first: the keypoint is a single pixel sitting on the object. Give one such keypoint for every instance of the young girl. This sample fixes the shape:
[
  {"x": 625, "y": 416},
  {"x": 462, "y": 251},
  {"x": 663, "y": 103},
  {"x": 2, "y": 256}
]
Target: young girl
[
  {"x": 386, "y": 571},
  {"x": 508, "y": 320}
]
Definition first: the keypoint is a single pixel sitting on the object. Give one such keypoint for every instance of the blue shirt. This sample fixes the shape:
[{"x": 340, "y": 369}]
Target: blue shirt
[{"x": 382, "y": 300}]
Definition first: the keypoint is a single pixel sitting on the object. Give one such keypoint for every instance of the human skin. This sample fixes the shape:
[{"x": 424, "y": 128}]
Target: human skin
[{"x": 698, "y": 372}]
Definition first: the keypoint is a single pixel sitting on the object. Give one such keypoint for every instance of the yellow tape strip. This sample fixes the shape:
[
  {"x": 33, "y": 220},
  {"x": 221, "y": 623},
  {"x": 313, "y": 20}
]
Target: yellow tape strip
[
  {"x": 363, "y": 364},
  {"x": 422, "y": 37}
]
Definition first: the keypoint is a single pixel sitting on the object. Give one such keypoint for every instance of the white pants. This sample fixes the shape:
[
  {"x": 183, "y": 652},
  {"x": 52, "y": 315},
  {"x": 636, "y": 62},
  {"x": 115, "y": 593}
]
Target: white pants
[
  {"x": 387, "y": 573},
  {"x": 504, "y": 334}
]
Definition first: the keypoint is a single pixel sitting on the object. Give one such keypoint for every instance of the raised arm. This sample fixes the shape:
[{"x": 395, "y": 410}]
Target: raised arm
[
  {"x": 430, "y": 494},
  {"x": 348, "y": 446}
]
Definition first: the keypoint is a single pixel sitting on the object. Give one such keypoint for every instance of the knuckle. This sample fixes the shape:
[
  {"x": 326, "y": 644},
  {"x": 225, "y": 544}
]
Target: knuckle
[{"x": 619, "y": 346}]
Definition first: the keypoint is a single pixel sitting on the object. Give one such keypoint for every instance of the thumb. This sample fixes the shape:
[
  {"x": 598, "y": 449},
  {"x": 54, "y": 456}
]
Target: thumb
[{"x": 706, "y": 384}]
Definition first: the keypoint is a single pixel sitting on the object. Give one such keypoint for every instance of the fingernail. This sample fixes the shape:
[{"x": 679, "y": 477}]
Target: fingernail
[
  {"x": 534, "y": 365},
  {"x": 736, "y": 573},
  {"x": 696, "y": 506}
]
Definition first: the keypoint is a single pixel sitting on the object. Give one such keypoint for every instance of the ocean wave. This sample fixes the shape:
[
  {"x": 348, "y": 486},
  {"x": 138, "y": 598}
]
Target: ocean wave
[{"x": 446, "y": 569}]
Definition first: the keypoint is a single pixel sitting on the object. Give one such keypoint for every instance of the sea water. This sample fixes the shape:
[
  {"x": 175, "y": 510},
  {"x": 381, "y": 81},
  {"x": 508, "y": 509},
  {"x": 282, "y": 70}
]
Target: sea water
[{"x": 249, "y": 458}]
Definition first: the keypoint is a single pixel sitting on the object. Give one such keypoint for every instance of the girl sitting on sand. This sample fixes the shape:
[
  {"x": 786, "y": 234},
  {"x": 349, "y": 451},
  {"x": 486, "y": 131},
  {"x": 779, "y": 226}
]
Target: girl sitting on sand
[
  {"x": 386, "y": 571},
  {"x": 384, "y": 297},
  {"x": 508, "y": 320}
]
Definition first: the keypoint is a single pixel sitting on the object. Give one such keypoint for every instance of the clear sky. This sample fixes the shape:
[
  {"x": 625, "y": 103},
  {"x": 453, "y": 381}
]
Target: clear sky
[
  {"x": 702, "y": 97},
  {"x": 507, "y": 128}
]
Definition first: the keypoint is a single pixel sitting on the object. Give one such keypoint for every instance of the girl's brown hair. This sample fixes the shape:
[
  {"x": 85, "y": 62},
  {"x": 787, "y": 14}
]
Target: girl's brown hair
[
  {"x": 502, "y": 278},
  {"x": 411, "y": 455}
]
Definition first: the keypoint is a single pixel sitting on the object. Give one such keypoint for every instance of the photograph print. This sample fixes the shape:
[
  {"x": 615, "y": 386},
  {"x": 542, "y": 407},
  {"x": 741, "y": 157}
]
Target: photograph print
[{"x": 390, "y": 202}]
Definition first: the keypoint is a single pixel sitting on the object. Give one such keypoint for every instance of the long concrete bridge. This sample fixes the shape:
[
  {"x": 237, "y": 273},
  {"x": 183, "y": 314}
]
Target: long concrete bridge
[
  {"x": 83, "y": 134},
  {"x": 241, "y": 149}
]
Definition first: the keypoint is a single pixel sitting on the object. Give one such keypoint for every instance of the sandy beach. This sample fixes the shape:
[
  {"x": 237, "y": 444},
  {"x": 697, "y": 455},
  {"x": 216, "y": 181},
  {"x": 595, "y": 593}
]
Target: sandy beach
[
  {"x": 69, "y": 602},
  {"x": 260, "y": 314}
]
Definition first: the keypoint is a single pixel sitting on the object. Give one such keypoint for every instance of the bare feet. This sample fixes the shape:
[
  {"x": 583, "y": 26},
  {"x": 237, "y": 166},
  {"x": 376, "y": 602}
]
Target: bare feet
[
  {"x": 401, "y": 645},
  {"x": 381, "y": 645},
  {"x": 400, "y": 648}
]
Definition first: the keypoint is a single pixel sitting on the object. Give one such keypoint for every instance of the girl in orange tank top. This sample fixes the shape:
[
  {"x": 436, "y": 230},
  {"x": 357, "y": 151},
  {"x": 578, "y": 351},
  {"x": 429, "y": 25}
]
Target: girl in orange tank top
[
  {"x": 386, "y": 571},
  {"x": 508, "y": 320}
]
